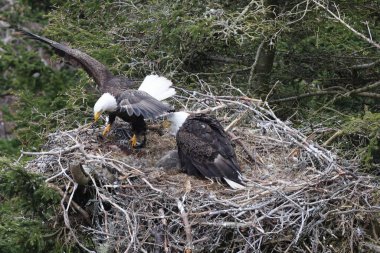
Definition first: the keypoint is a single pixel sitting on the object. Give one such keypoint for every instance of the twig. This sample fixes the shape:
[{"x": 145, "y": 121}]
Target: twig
[
  {"x": 67, "y": 222},
  {"x": 74, "y": 205},
  {"x": 235, "y": 121},
  {"x": 57, "y": 152},
  {"x": 333, "y": 137},
  {"x": 357, "y": 92},
  {"x": 305, "y": 95},
  {"x": 365, "y": 88},
  {"x": 371, "y": 246},
  {"x": 189, "y": 239},
  {"x": 365, "y": 65},
  {"x": 247, "y": 151},
  {"x": 150, "y": 185},
  {"x": 165, "y": 224}
]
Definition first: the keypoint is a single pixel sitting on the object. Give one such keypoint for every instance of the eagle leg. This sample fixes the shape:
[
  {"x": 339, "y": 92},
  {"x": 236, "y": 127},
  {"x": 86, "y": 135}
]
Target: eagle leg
[
  {"x": 106, "y": 130},
  {"x": 135, "y": 143},
  {"x": 138, "y": 127}
]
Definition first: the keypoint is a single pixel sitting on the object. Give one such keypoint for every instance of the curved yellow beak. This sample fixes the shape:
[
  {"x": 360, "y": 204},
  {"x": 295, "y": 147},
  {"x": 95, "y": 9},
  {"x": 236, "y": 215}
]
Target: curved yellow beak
[{"x": 97, "y": 116}]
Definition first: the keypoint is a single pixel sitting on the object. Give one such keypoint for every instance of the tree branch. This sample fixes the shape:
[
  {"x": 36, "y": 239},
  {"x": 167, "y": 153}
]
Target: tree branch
[
  {"x": 365, "y": 88},
  {"x": 305, "y": 95},
  {"x": 337, "y": 17},
  {"x": 358, "y": 92},
  {"x": 73, "y": 204},
  {"x": 365, "y": 65}
]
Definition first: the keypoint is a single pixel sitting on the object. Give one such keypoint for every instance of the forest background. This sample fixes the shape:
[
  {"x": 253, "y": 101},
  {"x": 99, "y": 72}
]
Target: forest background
[{"x": 315, "y": 62}]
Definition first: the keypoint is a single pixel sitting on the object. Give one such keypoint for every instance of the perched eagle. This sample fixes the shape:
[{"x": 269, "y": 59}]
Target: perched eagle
[
  {"x": 204, "y": 148},
  {"x": 130, "y": 105}
]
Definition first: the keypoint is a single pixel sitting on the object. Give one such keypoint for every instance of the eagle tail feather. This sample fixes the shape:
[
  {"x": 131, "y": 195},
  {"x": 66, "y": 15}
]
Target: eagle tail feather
[
  {"x": 234, "y": 185},
  {"x": 158, "y": 87}
]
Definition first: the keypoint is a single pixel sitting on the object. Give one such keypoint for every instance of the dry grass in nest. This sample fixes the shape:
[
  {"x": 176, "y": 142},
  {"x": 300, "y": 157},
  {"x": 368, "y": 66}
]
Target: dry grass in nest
[{"x": 300, "y": 197}]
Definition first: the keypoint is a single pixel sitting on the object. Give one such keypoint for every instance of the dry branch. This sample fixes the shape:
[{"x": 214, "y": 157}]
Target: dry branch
[
  {"x": 342, "y": 93},
  {"x": 337, "y": 16},
  {"x": 75, "y": 206}
]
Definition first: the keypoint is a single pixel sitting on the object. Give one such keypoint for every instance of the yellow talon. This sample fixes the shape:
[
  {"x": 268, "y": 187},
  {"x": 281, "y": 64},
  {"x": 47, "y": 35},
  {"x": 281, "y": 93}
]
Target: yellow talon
[
  {"x": 133, "y": 141},
  {"x": 107, "y": 129},
  {"x": 166, "y": 124}
]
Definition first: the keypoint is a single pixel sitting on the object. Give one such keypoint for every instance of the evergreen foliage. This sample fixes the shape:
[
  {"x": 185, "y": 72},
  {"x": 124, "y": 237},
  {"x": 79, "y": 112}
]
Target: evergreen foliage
[
  {"x": 364, "y": 133},
  {"x": 28, "y": 212},
  {"x": 45, "y": 96}
]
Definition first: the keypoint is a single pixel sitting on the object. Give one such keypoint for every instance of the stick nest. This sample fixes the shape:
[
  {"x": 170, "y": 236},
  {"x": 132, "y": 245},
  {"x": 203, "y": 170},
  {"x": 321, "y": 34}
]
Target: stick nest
[{"x": 300, "y": 197}]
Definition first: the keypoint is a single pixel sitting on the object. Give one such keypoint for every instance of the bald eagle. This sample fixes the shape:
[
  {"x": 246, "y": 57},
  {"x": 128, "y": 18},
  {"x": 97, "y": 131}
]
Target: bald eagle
[
  {"x": 204, "y": 148},
  {"x": 134, "y": 106},
  {"x": 118, "y": 99}
]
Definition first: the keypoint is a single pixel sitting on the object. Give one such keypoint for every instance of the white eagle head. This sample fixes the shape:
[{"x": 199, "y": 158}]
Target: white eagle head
[
  {"x": 176, "y": 120},
  {"x": 106, "y": 103}
]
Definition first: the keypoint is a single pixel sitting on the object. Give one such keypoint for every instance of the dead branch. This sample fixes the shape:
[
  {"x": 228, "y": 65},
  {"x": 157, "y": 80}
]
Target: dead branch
[
  {"x": 67, "y": 220},
  {"x": 357, "y": 92},
  {"x": 305, "y": 95},
  {"x": 52, "y": 152},
  {"x": 337, "y": 16},
  {"x": 365, "y": 88},
  {"x": 187, "y": 227},
  {"x": 247, "y": 151},
  {"x": 74, "y": 205},
  {"x": 371, "y": 246},
  {"x": 333, "y": 137},
  {"x": 365, "y": 65}
]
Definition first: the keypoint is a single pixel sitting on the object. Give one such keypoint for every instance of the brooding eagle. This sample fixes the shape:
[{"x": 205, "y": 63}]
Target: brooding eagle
[
  {"x": 130, "y": 105},
  {"x": 204, "y": 148}
]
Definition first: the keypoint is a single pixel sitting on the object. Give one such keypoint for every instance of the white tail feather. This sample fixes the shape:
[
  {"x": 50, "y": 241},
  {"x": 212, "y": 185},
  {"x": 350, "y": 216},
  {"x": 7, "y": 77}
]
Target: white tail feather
[
  {"x": 157, "y": 86},
  {"x": 233, "y": 184}
]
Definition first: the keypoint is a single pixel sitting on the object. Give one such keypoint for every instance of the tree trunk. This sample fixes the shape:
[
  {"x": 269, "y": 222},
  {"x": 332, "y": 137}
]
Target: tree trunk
[{"x": 263, "y": 64}]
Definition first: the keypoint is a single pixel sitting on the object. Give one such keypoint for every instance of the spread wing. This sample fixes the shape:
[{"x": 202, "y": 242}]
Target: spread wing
[
  {"x": 136, "y": 102},
  {"x": 204, "y": 149},
  {"x": 94, "y": 68}
]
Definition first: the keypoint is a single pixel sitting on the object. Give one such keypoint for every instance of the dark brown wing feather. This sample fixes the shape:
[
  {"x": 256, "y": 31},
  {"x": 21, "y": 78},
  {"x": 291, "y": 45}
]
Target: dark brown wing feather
[
  {"x": 136, "y": 102},
  {"x": 205, "y": 149},
  {"x": 102, "y": 76}
]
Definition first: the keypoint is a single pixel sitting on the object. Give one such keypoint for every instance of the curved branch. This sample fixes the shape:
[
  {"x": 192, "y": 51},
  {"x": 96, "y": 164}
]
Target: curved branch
[
  {"x": 305, "y": 95},
  {"x": 365, "y": 65},
  {"x": 358, "y": 92},
  {"x": 368, "y": 94},
  {"x": 337, "y": 17},
  {"x": 365, "y": 88}
]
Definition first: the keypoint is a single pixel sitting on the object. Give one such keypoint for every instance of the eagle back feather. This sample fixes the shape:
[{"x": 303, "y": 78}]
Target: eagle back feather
[{"x": 205, "y": 149}]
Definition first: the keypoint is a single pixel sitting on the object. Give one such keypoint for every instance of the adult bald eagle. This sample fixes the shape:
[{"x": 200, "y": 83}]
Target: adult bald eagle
[
  {"x": 130, "y": 105},
  {"x": 204, "y": 148},
  {"x": 135, "y": 105}
]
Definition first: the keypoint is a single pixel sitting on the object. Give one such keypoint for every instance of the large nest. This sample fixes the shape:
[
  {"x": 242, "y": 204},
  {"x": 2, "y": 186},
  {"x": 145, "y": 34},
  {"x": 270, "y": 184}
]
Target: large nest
[{"x": 300, "y": 197}]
